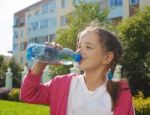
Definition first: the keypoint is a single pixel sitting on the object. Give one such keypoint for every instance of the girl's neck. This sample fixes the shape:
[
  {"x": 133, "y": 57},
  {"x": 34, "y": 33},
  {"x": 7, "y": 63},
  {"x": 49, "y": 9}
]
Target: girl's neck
[{"x": 94, "y": 79}]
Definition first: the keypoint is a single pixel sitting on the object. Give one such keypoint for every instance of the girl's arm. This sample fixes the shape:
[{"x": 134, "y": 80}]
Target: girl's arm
[
  {"x": 32, "y": 90},
  {"x": 131, "y": 111}
]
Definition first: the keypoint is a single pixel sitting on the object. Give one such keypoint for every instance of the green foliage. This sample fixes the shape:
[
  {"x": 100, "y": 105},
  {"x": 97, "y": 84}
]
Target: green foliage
[
  {"x": 13, "y": 95},
  {"x": 17, "y": 108},
  {"x": 16, "y": 70},
  {"x": 3, "y": 69},
  {"x": 142, "y": 105},
  {"x": 60, "y": 70},
  {"x": 135, "y": 36}
]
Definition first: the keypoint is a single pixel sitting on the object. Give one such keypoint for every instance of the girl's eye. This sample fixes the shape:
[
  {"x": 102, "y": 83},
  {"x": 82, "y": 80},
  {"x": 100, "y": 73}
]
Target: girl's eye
[
  {"x": 79, "y": 47},
  {"x": 88, "y": 47}
]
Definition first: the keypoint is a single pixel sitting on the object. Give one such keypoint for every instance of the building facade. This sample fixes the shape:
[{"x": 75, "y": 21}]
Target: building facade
[{"x": 39, "y": 22}]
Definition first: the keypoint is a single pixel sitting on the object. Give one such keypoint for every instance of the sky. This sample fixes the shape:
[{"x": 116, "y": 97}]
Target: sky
[{"x": 7, "y": 10}]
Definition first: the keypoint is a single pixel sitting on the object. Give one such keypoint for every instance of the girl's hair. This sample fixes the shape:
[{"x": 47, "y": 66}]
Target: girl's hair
[{"x": 111, "y": 44}]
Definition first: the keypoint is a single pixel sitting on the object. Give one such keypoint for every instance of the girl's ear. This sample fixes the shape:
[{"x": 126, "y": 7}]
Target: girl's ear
[{"x": 109, "y": 56}]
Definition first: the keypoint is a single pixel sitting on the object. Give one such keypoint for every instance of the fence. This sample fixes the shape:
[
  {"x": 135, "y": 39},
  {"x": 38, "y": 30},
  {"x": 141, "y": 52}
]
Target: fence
[{"x": 47, "y": 74}]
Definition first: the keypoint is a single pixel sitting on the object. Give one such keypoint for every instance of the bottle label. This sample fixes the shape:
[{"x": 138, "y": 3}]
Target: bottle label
[{"x": 49, "y": 54}]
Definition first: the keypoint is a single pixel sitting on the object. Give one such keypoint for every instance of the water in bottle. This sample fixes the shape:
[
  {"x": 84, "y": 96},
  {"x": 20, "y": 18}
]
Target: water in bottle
[{"x": 49, "y": 54}]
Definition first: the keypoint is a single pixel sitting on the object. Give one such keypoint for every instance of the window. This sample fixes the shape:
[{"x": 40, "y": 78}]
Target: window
[
  {"x": 115, "y": 3},
  {"x": 63, "y": 3},
  {"x": 15, "y": 47},
  {"x": 52, "y": 6},
  {"x": 45, "y": 8},
  {"x": 52, "y": 36},
  {"x": 29, "y": 30},
  {"x": 36, "y": 40},
  {"x": 31, "y": 40},
  {"x": 133, "y": 2},
  {"x": 37, "y": 12},
  {"x": 21, "y": 22},
  {"x": 23, "y": 46},
  {"x": 52, "y": 22},
  {"x": 63, "y": 20},
  {"x": 42, "y": 39},
  {"x": 15, "y": 34},
  {"x": 29, "y": 15},
  {"x": 21, "y": 33},
  {"x": 45, "y": 38},
  {"x": 74, "y": 2},
  {"x": 43, "y": 24},
  {"x": 15, "y": 21},
  {"x": 34, "y": 25}
]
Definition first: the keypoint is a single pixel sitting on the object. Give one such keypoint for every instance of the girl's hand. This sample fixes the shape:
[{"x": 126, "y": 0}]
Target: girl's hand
[
  {"x": 39, "y": 66},
  {"x": 54, "y": 45}
]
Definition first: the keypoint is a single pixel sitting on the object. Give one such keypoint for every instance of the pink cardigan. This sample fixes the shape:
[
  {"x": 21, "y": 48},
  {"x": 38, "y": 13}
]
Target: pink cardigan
[{"x": 55, "y": 93}]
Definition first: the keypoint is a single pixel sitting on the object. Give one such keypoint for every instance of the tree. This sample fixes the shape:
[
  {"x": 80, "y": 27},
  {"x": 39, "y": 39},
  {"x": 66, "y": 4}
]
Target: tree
[
  {"x": 16, "y": 70},
  {"x": 59, "y": 70},
  {"x": 3, "y": 69},
  {"x": 135, "y": 36},
  {"x": 83, "y": 14}
]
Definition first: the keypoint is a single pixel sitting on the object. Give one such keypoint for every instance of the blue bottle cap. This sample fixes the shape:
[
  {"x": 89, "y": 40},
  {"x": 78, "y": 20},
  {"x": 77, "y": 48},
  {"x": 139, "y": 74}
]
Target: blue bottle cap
[
  {"x": 29, "y": 53},
  {"x": 77, "y": 57}
]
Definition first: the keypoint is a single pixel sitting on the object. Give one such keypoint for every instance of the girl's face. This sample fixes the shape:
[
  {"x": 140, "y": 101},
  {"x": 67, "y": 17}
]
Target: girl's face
[{"x": 92, "y": 52}]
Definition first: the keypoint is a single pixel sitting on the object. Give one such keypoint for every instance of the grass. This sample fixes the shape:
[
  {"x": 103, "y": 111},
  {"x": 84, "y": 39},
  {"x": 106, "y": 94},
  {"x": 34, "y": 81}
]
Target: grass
[{"x": 18, "y": 108}]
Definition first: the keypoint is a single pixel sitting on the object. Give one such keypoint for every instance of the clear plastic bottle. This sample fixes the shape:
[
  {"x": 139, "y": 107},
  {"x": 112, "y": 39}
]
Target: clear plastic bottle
[{"x": 49, "y": 54}]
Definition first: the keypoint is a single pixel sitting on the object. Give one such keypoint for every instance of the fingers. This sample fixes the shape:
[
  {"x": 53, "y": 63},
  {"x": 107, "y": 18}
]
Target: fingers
[
  {"x": 54, "y": 63},
  {"x": 57, "y": 63},
  {"x": 55, "y": 45}
]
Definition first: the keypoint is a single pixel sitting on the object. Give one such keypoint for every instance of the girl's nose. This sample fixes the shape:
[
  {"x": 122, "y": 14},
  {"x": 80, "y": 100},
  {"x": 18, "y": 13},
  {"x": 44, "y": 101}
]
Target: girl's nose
[{"x": 79, "y": 50}]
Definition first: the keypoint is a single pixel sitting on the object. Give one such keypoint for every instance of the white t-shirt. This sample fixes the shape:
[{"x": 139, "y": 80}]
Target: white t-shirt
[{"x": 81, "y": 101}]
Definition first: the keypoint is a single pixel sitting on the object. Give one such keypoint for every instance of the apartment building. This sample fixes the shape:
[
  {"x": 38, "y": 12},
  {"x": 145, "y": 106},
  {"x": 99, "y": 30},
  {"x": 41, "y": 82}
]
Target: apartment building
[
  {"x": 39, "y": 22},
  {"x": 122, "y": 9}
]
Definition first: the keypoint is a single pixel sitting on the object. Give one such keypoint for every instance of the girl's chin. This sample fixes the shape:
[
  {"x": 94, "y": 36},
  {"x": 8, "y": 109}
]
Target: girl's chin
[{"x": 81, "y": 67}]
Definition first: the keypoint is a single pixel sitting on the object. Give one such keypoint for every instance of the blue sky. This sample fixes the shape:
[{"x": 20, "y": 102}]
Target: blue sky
[{"x": 7, "y": 10}]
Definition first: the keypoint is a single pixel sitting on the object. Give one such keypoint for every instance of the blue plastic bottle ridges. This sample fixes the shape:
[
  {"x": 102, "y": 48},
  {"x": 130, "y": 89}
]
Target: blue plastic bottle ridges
[{"x": 48, "y": 54}]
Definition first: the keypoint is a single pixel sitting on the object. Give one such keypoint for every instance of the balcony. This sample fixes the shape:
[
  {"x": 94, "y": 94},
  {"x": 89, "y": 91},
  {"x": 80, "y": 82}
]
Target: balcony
[
  {"x": 115, "y": 12},
  {"x": 18, "y": 25}
]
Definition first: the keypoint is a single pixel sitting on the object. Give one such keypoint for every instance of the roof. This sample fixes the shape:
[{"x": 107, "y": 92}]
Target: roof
[{"x": 5, "y": 54}]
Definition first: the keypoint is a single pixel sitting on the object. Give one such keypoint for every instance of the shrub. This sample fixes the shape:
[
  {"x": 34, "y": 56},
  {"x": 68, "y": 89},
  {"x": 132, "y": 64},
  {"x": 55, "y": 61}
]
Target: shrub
[
  {"x": 142, "y": 105},
  {"x": 4, "y": 93},
  {"x": 13, "y": 95}
]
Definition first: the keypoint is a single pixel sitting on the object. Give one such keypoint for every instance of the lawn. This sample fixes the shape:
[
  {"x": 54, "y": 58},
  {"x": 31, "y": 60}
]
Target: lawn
[{"x": 18, "y": 108}]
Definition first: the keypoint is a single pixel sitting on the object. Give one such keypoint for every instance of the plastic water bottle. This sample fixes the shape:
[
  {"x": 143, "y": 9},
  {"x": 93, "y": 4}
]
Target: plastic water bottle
[{"x": 49, "y": 54}]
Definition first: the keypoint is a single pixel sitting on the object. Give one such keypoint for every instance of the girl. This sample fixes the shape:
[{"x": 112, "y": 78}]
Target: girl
[{"x": 92, "y": 93}]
